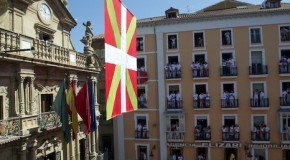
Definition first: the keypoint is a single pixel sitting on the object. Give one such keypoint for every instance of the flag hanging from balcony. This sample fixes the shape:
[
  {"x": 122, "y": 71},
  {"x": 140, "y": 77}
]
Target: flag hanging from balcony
[
  {"x": 70, "y": 99},
  {"x": 83, "y": 106},
  {"x": 92, "y": 106},
  {"x": 120, "y": 59},
  {"x": 60, "y": 107}
]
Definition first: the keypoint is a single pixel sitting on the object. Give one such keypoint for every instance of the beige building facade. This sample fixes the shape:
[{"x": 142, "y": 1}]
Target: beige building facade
[
  {"x": 213, "y": 85},
  {"x": 36, "y": 55}
]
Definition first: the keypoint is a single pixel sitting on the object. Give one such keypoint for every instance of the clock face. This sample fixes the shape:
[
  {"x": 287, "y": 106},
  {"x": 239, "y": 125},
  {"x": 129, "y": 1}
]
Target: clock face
[{"x": 45, "y": 12}]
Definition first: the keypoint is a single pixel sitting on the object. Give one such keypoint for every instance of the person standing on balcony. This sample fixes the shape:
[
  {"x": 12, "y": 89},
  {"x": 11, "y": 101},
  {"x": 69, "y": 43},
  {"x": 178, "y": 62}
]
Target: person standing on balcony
[
  {"x": 167, "y": 72},
  {"x": 262, "y": 99},
  {"x": 173, "y": 99},
  {"x": 232, "y": 99},
  {"x": 178, "y": 100},
  {"x": 139, "y": 130},
  {"x": 178, "y": 70},
  {"x": 237, "y": 132},
  {"x": 193, "y": 68},
  {"x": 284, "y": 97},
  {"x": 256, "y": 98},
  {"x": 195, "y": 100},
  {"x": 201, "y": 99},
  {"x": 207, "y": 97}
]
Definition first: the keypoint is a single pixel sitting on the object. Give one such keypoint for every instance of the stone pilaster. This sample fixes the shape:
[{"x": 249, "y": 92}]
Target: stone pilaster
[
  {"x": 21, "y": 96},
  {"x": 32, "y": 109}
]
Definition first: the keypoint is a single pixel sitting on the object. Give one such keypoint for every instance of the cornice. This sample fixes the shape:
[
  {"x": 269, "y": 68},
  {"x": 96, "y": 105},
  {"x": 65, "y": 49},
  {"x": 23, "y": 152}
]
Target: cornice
[{"x": 211, "y": 18}]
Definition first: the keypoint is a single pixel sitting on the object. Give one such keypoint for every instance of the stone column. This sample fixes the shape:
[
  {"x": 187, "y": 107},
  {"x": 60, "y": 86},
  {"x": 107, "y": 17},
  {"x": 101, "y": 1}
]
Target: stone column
[
  {"x": 21, "y": 96},
  {"x": 32, "y": 109},
  {"x": 22, "y": 152},
  {"x": 97, "y": 105},
  {"x": 71, "y": 151}
]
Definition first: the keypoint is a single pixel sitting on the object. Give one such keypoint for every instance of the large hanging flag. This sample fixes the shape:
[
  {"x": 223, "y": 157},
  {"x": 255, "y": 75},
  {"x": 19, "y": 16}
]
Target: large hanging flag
[
  {"x": 120, "y": 59},
  {"x": 83, "y": 106},
  {"x": 60, "y": 107},
  {"x": 92, "y": 106},
  {"x": 70, "y": 99}
]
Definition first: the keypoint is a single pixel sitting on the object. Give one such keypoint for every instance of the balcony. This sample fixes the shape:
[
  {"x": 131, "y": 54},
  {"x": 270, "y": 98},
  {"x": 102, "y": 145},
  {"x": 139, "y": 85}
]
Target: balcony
[
  {"x": 259, "y": 103},
  {"x": 44, "y": 51},
  {"x": 201, "y": 103},
  {"x": 175, "y": 136},
  {"x": 229, "y": 103},
  {"x": 285, "y": 101},
  {"x": 284, "y": 69},
  {"x": 258, "y": 69},
  {"x": 228, "y": 71},
  {"x": 48, "y": 120},
  {"x": 172, "y": 74},
  {"x": 9, "y": 129},
  {"x": 201, "y": 135},
  {"x": 231, "y": 136},
  {"x": 142, "y": 105},
  {"x": 142, "y": 77},
  {"x": 143, "y": 134},
  {"x": 285, "y": 136},
  {"x": 260, "y": 136},
  {"x": 174, "y": 105},
  {"x": 200, "y": 73}
]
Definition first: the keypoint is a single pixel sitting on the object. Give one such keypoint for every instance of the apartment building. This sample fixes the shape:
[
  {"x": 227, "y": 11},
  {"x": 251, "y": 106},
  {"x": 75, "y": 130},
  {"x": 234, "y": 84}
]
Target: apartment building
[{"x": 212, "y": 85}]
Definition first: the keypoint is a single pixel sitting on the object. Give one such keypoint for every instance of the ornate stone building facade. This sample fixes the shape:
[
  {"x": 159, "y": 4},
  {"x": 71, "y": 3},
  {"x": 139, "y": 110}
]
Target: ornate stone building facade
[{"x": 36, "y": 54}]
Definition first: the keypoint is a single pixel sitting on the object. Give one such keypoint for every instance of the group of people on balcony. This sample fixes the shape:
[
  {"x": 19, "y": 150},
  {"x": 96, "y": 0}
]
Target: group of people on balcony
[
  {"x": 286, "y": 97},
  {"x": 201, "y": 100},
  {"x": 172, "y": 70},
  {"x": 175, "y": 130},
  {"x": 259, "y": 99},
  {"x": 228, "y": 99},
  {"x": 285, "y": 64},
  {"x": 202, "y": 133},
  {"x": 174, "y": 100},
  {"x": 199, "y": 68},
  {"x": 231, "y": 132},
  {"x": 142, "y": 101},
  {"x": 177, "y": 157},
  {"x": 141, "y": 131},
  {"x": 229, "y": 67},
  {"x": 261, "y": 132}
]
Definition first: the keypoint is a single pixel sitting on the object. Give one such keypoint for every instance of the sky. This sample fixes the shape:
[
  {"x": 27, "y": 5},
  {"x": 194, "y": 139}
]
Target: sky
[{"x": 93, "y": 10}]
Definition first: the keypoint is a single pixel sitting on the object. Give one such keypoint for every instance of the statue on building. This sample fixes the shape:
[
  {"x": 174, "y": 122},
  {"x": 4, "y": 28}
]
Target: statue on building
[{"x": 87, "y": 39}]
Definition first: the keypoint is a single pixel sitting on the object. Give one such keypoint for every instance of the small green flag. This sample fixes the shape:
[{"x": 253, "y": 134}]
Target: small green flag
[{"x": 59, "y": 105}]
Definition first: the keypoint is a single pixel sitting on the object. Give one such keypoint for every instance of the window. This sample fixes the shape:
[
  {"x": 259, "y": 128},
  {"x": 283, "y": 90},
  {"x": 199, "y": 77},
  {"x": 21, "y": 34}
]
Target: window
[
  {"x": 43, "y": 36},
  {"x": 141, "y": 125},
  {"x": 228, "y": 99},
  {"x": 259, "y": 153},
  {"x": 285, "y": 93},
  {"x": 46, "y": 102},
  {"x": 231, "y": 153},
  {"x": 175, "y": 127},
  {"x": 260, "y": 129},
  {"x": 257, "y": 63},
  {"x": 228, "y": 64},
  {"x": 284, "y": 65},
  {"x": 142, "y": 151},
  {"x": 201, "y": 153},
  {"x": 202, "y": 129},
  {"x": 141, "y": 64},
  {"x": 255, "y": 34},
  {"x": 174, "y": 97},
  {"x": 227, "y": 38},
  {"x": 1, "y": 107},
  {"x": 175, "y": 153},
  {"x": 230, "y": 130},
  {"x": 173, "y": 67},
  {"x": 198, "y": 39},
  {"x": 172, "y": 41},
  {"x": 259, "y": 95},
  {"x": 140, "y": 44},
  {"x": 285, "y": 33},
  {"x": 142, "y": 97}
]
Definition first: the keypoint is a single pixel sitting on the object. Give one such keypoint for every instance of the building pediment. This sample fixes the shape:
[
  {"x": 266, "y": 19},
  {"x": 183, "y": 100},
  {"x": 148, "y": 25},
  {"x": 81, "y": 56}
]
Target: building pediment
[{"x": 60, "y": 10}]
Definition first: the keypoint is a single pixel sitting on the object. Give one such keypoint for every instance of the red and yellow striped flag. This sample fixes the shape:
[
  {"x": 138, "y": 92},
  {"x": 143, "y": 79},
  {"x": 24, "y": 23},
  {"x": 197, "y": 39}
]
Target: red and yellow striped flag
[{"x": 120, "y": 59}]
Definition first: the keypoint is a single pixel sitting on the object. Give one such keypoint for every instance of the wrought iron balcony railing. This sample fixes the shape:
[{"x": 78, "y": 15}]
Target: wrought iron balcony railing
[
  {"x": 256, "y": 103},
  {"x": 202, "y": 136},
  {"x": 285, "y": 101},
  {"x": 174, "y": 105},
  {"x": 260, "y": 136},
  {"x": 258, "y": 69},
  {"x": 284, "y": 69},
  {"x": 200, "y": 73},
  {"x": 229, "y": 103},
  {"x": 228, "y": 71},
  {"x": 201, "y": 103},
  {"x": 48, "y": 120},
  {"x": 231, "y": 136},
  {"x": 175, "y": 136},
  {"x": 174, "y": 74},
  {"x": 143, "y": 134}
]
